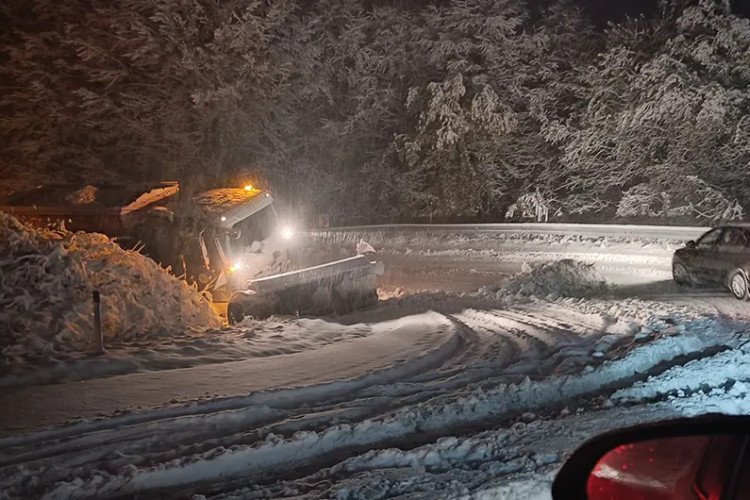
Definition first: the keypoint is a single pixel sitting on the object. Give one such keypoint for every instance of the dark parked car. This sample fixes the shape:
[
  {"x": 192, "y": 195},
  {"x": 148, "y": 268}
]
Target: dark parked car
[{"x": 719, "y": 257}]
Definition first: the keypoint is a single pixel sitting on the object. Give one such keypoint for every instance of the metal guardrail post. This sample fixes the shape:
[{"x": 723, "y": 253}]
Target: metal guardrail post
[{"x": 98, "y": 321}]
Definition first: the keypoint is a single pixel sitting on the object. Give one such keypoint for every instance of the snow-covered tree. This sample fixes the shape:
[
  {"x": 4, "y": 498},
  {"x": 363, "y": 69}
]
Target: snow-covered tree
[
  {"x": 360, "y": 65},
  {"x": 534, "y": 205},
  {"x": 667, "y": 101},
  {"x": 138, "y": 89},
  {"x": 384, "y": 108},
  {"x": 454, "y": 146}
]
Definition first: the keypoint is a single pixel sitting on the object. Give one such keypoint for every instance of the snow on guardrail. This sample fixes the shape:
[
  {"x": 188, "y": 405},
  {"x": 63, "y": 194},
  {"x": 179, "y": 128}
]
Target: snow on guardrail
[{"x": 595, "y": 230}]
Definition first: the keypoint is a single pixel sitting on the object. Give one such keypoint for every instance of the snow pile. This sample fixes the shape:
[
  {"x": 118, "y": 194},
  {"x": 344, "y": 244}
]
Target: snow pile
[
  {"x": 551, "y": 280},
  {"x": 717, "y": 382},
  {"x": 46, "y": 282}
]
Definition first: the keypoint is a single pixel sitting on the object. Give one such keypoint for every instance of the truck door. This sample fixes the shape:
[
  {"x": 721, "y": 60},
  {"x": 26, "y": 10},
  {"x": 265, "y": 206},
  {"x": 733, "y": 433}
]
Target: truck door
[{"x": 214, "y": 261}]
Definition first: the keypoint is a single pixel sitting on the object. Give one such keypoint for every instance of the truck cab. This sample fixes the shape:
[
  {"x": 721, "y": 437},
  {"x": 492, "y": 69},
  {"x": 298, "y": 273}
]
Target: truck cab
[
  {"x": 238, "y": 221},
  {"x": 201, "y": 238}
]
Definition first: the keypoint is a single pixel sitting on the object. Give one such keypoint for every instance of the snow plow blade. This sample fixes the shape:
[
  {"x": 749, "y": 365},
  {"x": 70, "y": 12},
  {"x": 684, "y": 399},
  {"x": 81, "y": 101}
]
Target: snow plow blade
[{"x": 339, "y": 286}]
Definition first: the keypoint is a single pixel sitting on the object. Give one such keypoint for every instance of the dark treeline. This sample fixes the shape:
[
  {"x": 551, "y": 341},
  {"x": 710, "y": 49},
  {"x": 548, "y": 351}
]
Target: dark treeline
[{"x": 450, "y": 108}]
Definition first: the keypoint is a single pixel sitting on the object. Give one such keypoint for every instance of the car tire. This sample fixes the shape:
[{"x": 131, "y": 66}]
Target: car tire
[
  {"x": 738, "y": 284},
  {"x": 681, "y": 275}
]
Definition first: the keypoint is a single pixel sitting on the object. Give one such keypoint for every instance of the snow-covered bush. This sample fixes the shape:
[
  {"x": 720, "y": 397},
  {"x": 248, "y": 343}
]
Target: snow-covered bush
[
  {"x": 642, "y": 200},
  {"x": 690, "y": 197},
  {"x": 47, "y": 277},
  {"x": 531, "y": 205},
  {"x": 708, "y": 202}
]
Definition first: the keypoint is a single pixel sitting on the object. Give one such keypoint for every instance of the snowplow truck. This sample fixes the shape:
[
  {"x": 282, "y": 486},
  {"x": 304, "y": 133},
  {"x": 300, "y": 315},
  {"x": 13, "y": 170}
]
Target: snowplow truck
[{"x": 229, "y": 242}]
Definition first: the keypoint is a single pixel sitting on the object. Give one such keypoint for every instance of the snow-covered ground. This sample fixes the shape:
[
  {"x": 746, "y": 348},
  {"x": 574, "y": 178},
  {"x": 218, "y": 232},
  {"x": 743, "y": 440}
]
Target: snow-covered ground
[{"x": 481, "y": 369}]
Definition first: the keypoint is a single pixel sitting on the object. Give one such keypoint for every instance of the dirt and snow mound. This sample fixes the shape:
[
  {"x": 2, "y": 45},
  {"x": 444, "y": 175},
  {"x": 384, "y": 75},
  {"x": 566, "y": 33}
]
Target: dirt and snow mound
[
  {"x": 551, "y": 280},
  {"x": 46, "y": 282}
]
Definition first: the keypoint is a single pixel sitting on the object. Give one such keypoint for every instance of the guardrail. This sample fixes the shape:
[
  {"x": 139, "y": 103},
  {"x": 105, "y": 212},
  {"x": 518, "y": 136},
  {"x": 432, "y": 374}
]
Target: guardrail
[{"x": 595, "y": 230}]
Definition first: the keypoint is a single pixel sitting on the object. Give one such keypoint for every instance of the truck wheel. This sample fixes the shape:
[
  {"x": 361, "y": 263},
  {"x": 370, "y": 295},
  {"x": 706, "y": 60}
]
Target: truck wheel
[
  {"x": 371, "y": 297},
  {"x": 235, "y": 312},
  {"x": 250, "y": 305},
  {"x": 738, "y": 285}
]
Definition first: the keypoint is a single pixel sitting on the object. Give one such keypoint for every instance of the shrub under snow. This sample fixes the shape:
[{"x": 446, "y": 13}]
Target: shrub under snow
[
  {"x": 561, "y": 278},
  {"x": 46, "y": 283},
  {"x": 690, "y": 197}
]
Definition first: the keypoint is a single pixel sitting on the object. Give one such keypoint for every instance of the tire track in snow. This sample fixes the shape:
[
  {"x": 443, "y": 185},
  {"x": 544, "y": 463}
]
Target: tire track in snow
[
  {"x": 476, "y": 331},
  {"x": 276, "y": 456},
  {"x": 482, "y": 322},
  {"x": 88, "y": 444},
  {"x": 483, "y": 339}
]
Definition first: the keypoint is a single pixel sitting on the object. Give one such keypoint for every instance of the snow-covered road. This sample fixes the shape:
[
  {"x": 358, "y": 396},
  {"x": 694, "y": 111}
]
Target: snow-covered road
[
  {"x": 446, "y": 389},
  {"x": 414, "y": 343}
]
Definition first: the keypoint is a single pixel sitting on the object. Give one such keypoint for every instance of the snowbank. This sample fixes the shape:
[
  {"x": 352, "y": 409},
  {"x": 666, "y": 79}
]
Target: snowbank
[
  {"x": 717, "y": 382},
  {"x": 46, "y": 282},
  {"x": 551, "y": 280}
]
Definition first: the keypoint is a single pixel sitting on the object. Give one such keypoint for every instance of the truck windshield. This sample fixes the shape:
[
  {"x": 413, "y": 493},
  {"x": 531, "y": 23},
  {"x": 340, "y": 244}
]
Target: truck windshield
[{"x": 257, "y": 227}]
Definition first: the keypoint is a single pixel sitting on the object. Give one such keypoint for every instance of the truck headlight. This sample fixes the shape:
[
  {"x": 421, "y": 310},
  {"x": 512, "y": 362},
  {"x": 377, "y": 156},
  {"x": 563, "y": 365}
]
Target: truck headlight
[{"x": 287, "y": 232}]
